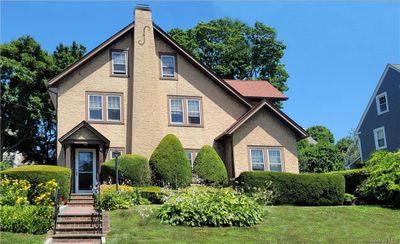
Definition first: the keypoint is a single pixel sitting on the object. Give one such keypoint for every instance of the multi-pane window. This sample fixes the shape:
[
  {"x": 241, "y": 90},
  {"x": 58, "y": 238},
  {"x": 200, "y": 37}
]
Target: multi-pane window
[
  {"x": 193, "y": 111},
  {"x": 168, "y": 66},
  {"x": 95, "y": 107},
  {"x": 380, "y": 138},
  {"x": 119, "y": 63},
  {"x": 257, "y": 159},
  {"x": 114, "y": 108},
  {"x": 382, "y": 105},
  {"x": 104, "y": 107},
  {"x": 185, "y": 111},
  {"x": 176, "y": 110},
  {"x": 264, "y": 158}
]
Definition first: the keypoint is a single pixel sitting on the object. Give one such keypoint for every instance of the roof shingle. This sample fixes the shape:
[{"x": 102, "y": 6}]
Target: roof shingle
[{"x": 256, "y": 89}]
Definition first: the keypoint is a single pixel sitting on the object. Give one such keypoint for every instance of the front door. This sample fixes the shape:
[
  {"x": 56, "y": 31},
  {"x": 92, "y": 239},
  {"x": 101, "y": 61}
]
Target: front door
[{"x": 85, "y": 170}]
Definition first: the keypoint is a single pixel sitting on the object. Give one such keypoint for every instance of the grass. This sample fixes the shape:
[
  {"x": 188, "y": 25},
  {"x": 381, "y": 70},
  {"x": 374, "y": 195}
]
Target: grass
[
  {"x": 282, "y": 224},
  {"x": 21, "y": 238}
]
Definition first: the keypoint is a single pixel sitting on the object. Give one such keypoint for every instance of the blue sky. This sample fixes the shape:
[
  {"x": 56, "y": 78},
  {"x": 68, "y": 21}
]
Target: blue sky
[{"x": 336, "y": 51}]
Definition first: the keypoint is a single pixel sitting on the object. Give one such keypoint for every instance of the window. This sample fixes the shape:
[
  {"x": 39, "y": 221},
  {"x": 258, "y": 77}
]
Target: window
[
  {"x": 258, "y": 159},
  {"x": 119, "y": 63},
  {"x": 104, "y": 107},
  {"x": 382, "y": 105},
  {"x": 116, "y": 152},
  {"x": 95, "y": 107},
  {"x": 380, "y": 138},
  {"x": 168, "y": 69},
  {"x": 114, "y": 108},
  {"x": 185, "y": 111},
  {"x": 176, "y": 108},
  {"x": 191, "y": 155}
]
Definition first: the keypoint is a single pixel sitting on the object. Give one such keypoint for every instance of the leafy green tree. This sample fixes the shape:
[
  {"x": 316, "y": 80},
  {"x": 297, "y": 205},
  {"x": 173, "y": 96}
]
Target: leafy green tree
[
  {"x": 66, "y": 55},
  {"x": 235, "y": 50},
  {"x": 319, "y": 158},
  {"x": 27, "y": 114},
  {"x": 321, "y": 134}
]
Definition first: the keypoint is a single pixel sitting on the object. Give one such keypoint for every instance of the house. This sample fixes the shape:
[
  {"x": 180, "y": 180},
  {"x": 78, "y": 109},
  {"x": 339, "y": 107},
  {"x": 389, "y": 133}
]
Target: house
[
  {"x": 379, "y": 127},
  {"x": 139, "y": 85}
]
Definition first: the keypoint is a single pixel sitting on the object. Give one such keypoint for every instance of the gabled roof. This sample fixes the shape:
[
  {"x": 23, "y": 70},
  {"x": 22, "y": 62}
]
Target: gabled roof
[
  {"x": 395, "y": 67},
  {"x": 256, "y": 89},
  {"x": 162, "y": 34},
  {"x": 84, "y": 125},
  {"x": 298, "y": 130}
]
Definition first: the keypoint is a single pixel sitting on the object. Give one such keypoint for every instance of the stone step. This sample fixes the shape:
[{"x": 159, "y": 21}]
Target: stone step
[
  {"x": 77, "y": 238},
  {"x": 76, "y": 197},
  {"x": 79, "y": 230},
  {"x": 81, "y": 200},
  {"x": 80, "y": 204},
  {"x": 77, "y": 223},
  {"x": 82, "y": 217}
]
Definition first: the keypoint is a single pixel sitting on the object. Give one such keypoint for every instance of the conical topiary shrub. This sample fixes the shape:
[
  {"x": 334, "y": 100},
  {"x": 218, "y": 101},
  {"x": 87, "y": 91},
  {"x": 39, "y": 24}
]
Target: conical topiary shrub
[
  {"x": 169, "y": 164},
  {"x": 210, "y": 167}
]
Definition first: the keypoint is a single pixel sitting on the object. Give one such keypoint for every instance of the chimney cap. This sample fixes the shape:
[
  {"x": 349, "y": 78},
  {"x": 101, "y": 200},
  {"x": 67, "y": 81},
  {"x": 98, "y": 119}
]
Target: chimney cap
[{"x": 144, "y": 7}]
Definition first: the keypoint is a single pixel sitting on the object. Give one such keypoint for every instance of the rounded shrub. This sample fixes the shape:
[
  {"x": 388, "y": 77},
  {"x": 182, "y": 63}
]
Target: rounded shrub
[
  {"x": 169, "y": 164},
  {"x": 210, "y": 167},
  {"x": 297, "y": 189},
  {"x": 132, "y": 169},
  {"x": 37, "y": 174}
]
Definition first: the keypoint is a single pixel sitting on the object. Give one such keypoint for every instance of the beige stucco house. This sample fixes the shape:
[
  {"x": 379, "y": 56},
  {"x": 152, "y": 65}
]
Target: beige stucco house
[{"x": 139, "y": 85}]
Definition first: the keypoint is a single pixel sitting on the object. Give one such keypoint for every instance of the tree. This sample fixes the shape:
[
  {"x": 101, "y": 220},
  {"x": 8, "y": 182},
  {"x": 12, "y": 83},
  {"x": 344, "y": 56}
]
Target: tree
[
  {"x": 321, "y": 134},
  {"x": 319, "y": 158},
  {"x": 27, "y": 114},
  {"x": 235, "y": 50}
]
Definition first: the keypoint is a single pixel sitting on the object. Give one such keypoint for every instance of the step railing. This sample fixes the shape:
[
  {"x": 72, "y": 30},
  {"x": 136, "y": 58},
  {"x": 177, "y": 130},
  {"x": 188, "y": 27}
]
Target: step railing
[
  {"x": 97, "y": 219},
  {"x": 56, "y": 210}
]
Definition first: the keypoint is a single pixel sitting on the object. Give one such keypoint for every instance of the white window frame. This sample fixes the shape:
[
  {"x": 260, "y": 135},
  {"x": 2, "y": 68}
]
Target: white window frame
[
  {"x": 126, "y": 62},
  {"x": 88, "y": 107},
  {"x": 251, "y": 157},
  {"x": 280, "y": 156},
  {"x": 170, "y": 110},
  {"x": 120, "y": 108},
  {"x": 378, "y": 107},
  {"x": 162, "y": 66},
  {"x": 187, "y": 111},
  {"x": 376, "y": 138}
]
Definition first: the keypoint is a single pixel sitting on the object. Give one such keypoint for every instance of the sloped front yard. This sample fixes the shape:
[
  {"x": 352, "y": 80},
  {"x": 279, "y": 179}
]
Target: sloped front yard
[{"x": 282, "y": 224}]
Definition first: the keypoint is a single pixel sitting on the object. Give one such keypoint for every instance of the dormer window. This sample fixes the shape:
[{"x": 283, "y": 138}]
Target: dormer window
[
  {"x": 119, "y": 60},
  {"x": 168, "y": 66},
  {"x": 382, "y": 105}
]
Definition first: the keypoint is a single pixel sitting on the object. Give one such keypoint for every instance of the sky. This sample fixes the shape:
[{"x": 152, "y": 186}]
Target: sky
[{"x": 336, "y": 51}]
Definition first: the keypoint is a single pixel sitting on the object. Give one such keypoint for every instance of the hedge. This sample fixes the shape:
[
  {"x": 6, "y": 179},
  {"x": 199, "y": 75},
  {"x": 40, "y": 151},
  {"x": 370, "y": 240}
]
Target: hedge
[
  {"x": 353, "y": 178},
  {"x": 37, "y": 174},
  {"x": 26, "y": 219},
  {"x": 210, "y": 167},
  {"x": 132, "y": 169},
  {"x": 298, "y": 189},
  {"x": 169, "y": 164}
]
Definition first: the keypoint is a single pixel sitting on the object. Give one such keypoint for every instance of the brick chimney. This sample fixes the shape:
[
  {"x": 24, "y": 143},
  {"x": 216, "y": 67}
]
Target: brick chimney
[{"x": 146, "y": 131}]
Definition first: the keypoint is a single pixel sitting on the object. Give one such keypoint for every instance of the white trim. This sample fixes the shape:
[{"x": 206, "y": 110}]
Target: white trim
[
  {"x": 120, "y": 108},
  {"x": 187, "y": 110},
  {"x": 88, "y": 107},
  {"x": 376, "y": 138},
  {"x": 77, "y": 151},
  {"x": 251, "y": 158},
  {"x": 170, "y": 110},
  {"x": 371, "y": 100},
  {"x": 378, "y": 105},
  {"x": 162, "y": 66},
  {"x": 360, "y": 147},
  {"x": 126, "y": 62}
]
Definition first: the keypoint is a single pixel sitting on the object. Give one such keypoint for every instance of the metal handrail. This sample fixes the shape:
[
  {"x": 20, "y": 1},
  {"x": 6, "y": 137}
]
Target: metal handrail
[{"x": 56, "y": 210}]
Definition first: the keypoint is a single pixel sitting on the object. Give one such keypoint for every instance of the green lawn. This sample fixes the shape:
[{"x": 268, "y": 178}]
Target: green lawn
[
  {"x": 282, "y": 224},
  {"x": 20, "y": 238}
]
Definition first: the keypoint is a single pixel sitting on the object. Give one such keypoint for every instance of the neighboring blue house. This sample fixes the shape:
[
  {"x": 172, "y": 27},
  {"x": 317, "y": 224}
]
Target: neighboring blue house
[{"x": 379, "y": 127}]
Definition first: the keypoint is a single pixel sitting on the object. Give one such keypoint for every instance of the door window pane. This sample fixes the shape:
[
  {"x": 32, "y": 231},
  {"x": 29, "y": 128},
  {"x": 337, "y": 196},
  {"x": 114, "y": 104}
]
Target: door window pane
[
  {"x": 257, "y": 159},
  {"x": 95, "y": 107},
  {"x": 114, "y": 108},
  {"x": 193, "y": 110},
  {"x": 176, "y": 110}
]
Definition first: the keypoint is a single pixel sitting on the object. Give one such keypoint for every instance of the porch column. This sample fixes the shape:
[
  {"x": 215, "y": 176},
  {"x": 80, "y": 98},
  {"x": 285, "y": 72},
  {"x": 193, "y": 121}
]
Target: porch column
[{"x": 68, "y": 156}]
